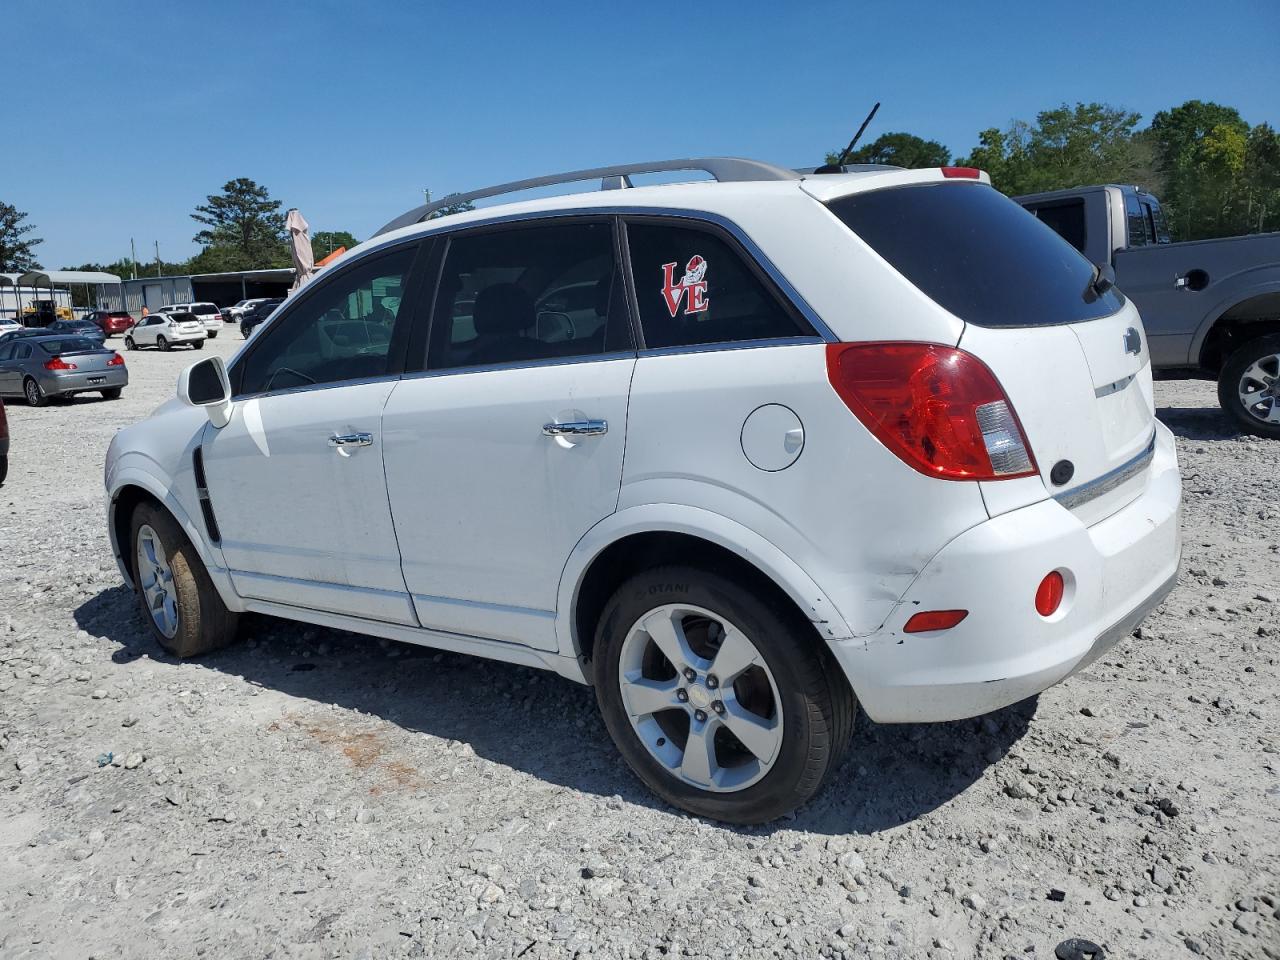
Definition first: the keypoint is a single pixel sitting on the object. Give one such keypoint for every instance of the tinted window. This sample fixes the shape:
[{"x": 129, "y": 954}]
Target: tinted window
[
  {"x": 6, "y": 352},
  {"x": 1137, "y": 222},
  {"x": 1064, "y": 219},
  {"x": 1156, "y": 226},
  {"x": 529, "y": 293},
  {"x": 978, "y": 254},
  {"x": 204, "y": 309},
  {"x": 341, "y": 330},
  {"x": 66, "y": 345},
  {"x": 693, "y": 287}
]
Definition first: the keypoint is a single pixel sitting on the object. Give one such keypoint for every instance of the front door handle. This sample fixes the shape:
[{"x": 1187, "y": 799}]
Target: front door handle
[
  {"x": 576, "y": 428},
  {"x": 352, "y": 440}
]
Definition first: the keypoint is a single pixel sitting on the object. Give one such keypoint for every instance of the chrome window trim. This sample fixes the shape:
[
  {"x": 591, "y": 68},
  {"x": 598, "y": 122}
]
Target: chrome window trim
[
  {"x": 700, "y": 216},
  {"x": 1099, "y": 486}
]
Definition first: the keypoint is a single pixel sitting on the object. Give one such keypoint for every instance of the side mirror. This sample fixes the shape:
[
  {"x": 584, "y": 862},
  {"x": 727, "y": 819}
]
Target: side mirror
[
  {"x": 1105, "y": 278},
  {"x": 206, "y": 384}
]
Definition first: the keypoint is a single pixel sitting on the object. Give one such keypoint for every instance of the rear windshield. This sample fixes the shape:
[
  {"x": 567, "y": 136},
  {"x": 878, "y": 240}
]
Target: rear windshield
[
  {"x": 978, "y": 254},
  {"x": 204, "y": 308},
  {"x": 67, "y": 345},
  {"x": 182, "y": 317}
]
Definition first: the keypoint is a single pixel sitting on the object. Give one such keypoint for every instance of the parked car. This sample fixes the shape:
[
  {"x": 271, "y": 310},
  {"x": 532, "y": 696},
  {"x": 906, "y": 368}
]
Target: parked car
[
  {"x": 165, "y": 331},
  {"x": 244, "y": 306},
  {"x": 4, "y": 444},
  {"x": 257, "y": 314},
  {"x": 78, "y": 328},
  {"x": 9, "y": 325},
  {"x": 1211, "y": 307},
  {"x": 207, "y": 313},
  {"x": 887, "y": 443},
  {"x": 40, "y": 368},
  {"x": 226, "y": 315},
  {"x": 110, "y": 322},
  {"x": 22, "y": 332}
]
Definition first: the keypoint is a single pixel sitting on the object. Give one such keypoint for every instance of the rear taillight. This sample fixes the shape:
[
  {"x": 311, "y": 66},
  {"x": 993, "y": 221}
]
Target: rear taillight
[
  {"x": 938, "y": 408},
  {"x": 116, "y": 360},
  {"x": 57, "y": 363}
]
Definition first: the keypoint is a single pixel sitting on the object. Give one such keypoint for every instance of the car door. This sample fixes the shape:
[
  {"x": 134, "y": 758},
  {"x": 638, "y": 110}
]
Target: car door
[
  {"x": 505, "y": 446},
  {"x": 296, "y": 478},
  {"x": 10, "y": 383}
]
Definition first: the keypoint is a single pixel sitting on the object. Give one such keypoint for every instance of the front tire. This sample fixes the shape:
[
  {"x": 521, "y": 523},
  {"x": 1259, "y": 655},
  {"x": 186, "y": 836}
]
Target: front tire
[
  {"x": 212, "y": 334},
  {"x": 34, "y": 395},
  {"x": 197, "y": 345},
  {"x": 178, "y": 601},
  {"x": 720, "y": 699},
  {"x": 244, "y": 332},
  {"x": 1249, "y": 386},
  {"x": 162, "y": 343},
  {"x": 129, "y": 344}
]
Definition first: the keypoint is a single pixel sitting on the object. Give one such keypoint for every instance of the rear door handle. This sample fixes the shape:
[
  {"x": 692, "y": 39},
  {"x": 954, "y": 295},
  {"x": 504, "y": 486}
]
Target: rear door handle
[
  {"x": 352, "y": 440},
  {"x": 576, "y": 428}
]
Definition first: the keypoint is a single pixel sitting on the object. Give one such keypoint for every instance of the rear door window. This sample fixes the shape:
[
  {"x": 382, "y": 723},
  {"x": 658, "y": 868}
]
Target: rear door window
[
  {"x": 978, "y": 254},
  {"x": 1137, "y": 222},
  {"x": 693, "y": 287},
  {"x": 1066, "y": 219}
]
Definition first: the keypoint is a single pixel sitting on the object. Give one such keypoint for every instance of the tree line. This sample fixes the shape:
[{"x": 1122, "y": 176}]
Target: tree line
[{"x": 1215, "y": 175}]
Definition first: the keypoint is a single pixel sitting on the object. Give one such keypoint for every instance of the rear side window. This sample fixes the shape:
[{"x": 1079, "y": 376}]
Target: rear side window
[
  {"x": 1137, "y": 222},
  {"x": 1065, "y": 219},
  {"x": 530, "y": 293},
  {"x": 978, "y": 254},
  {"x": 694, "y": 288}
]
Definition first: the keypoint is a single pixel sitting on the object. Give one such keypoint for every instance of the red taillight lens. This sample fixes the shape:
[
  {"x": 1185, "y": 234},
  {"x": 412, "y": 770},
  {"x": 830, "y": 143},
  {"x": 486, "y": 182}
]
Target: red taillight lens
[
  {"x": 938, "y": 408},
  {"x": 1049, "y": 594},
  {"x": 961, "y": 173},
  {"x": 57, "y": 363},
  {"x": 934, "y": 620},
  {"x": 116, "y": 360}
]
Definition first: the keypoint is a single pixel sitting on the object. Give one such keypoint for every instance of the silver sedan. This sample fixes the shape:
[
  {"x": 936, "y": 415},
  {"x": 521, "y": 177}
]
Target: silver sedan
[{"x": 41, "y": 367}]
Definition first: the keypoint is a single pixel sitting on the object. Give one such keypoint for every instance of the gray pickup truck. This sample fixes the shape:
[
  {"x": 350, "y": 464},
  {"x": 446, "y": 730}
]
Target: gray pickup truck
[{"x": 1210, "y": 307}]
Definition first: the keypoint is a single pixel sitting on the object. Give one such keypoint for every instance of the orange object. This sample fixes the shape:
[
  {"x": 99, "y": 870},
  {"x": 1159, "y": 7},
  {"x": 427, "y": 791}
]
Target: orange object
[{"x": 331, "y": 257}]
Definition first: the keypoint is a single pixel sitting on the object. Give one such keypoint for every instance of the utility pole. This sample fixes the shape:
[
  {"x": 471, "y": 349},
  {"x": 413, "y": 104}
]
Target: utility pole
[
  {"x": 133, "y": 259},
  {"x": 157, "y": 258}
]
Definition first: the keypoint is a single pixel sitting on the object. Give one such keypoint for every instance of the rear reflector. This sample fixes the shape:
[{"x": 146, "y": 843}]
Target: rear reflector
[
  {"x": 934, "y": 620},
  {"x": 57, "y": 363},
  {"x": 939, "y": 409},
  {"x": 1049, "y": 594},
  {"x": 962, "y": 173}
]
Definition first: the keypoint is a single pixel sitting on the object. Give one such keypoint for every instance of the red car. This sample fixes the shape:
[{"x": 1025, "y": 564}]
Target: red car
[{"x": 112, "y": 322}]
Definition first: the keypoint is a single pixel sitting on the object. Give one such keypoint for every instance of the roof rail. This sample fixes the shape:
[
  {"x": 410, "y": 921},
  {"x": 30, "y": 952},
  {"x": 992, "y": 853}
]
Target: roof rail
[{"x": 723, "y": 169}]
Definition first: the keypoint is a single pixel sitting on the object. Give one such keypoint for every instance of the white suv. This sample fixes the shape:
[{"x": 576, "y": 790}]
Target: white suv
[
  {"x": 166, "y": 330},
  {"x": 207, "y": 313},
  {"x": 888, "y": 440}
]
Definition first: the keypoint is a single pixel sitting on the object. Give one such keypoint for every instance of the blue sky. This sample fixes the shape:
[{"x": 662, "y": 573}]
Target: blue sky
[{"x": 122, "y": 116}]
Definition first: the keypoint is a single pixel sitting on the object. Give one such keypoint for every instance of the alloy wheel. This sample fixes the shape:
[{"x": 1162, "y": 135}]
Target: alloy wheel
[
  {"x": 701, "y": 698},
  {"x": 1259, "y": 389},
  {"x": 155, "y": 580},
  {"x": 32, "y": 391}
]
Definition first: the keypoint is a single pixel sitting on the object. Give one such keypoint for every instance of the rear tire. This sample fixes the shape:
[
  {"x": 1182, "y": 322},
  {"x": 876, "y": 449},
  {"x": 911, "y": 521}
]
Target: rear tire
[
  {"x": 1252, "y": 373},
  {"x": 162, "y": 343},
  {"x": 197, "y": 345},
  {"x": 34, "y": 395},
  {"x": 244, "y": 332},
  {"x": 129, "y": 344},
  {"x": 112, "y": 394},
  {"x": 213, "y": 334},
  {"x": 178, "y": 601},
  {"x": 791, "y": 701}
]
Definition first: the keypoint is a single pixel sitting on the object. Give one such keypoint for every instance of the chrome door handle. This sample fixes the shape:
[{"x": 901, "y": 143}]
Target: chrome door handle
[
  {"x": 352, "y": 440},
  {"x": 576, "y": 428}
]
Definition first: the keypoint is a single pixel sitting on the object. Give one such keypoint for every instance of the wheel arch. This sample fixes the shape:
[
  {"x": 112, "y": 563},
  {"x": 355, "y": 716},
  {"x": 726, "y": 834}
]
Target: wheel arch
[
  {"x": 132, "y": 486},
  {"x": 665, "y": 533},
  {"x": 1252, "y": 312}
]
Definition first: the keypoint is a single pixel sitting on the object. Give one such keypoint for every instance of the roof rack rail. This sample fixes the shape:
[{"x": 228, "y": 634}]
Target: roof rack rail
[{"x": 723, "y": 169}]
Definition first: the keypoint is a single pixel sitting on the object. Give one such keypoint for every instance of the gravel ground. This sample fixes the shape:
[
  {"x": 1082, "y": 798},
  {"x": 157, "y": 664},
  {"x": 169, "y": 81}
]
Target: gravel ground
[{"x": 311, "y": 793}]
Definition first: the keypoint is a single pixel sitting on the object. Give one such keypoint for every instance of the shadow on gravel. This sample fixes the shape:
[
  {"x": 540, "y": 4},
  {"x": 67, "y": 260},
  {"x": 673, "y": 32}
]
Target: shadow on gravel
[
  {"x": 1198, "y": 423},
  {"x": 549, "y": 727}
]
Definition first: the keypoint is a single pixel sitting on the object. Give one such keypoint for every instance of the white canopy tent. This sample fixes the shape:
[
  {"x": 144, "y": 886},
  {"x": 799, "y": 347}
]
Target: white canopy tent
[{"x": 33, "y": 280}]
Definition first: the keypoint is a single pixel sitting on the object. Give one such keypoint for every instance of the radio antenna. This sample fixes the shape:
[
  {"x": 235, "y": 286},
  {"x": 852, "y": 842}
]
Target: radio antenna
[{"x": 844, "y": 154}]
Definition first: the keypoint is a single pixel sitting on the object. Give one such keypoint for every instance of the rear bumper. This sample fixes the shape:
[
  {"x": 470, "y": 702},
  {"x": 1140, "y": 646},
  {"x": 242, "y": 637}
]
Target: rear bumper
[
  {"x": 83, "y": 382},
  {"x": 1117, "y": 571}
]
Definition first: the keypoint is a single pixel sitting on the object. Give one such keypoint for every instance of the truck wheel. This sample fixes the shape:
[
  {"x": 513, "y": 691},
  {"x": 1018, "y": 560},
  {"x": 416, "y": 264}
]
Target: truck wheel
[
  {"x": 179, "y": 602},
  {"x": 722, "y": 702},
  {"x": 1249, "y": 386}
]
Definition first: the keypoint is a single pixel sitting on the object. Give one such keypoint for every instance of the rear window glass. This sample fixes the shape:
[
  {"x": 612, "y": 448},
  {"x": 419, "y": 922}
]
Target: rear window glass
[
  {"x": 182, "y": 317},
  {"x": 66, "y": 345},
  {"x": 978, "y": 254},
  {"x": 204, "y": 308}
]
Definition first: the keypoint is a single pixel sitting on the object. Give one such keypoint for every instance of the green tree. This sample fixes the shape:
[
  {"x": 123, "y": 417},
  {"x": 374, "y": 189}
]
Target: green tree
[
  {"x": 1200, "y": 150},
  {"x": 449, "y": 210},
  {"x": 244, "y": 228},
  {"x": 15, "y": 241},
  {"x": 324, "y": 242},
  {"x": 1069, "y": 146},
  {"x": 900, "y": 150},
  {"x": 1262, "y": 179}
]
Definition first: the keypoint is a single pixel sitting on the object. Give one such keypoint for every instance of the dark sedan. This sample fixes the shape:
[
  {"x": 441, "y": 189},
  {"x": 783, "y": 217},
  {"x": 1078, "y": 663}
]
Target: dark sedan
[
  {"x": 37, "y": 368},
  {"x": 256, "y": 314},
  {"x": 77, "y": 328}
]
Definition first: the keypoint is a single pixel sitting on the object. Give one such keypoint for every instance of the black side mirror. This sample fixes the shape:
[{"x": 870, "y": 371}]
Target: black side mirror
[{"x": 1104, "y": 277}]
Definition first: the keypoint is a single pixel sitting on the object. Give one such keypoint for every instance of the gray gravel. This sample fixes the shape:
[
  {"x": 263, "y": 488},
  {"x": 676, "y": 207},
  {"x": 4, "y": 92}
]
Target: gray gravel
[{"x": 311, "y": 793}]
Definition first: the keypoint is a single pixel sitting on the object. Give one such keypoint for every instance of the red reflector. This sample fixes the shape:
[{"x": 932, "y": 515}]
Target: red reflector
[
  {"x": 937, "y": 408},
  {"x": 57, "y": 363},
  {"x": 934, "y": 620},
  {"x": 116, "y": 360},
  {"x": 1049, "y": 594},
  {"x": 963, "y": 173}
]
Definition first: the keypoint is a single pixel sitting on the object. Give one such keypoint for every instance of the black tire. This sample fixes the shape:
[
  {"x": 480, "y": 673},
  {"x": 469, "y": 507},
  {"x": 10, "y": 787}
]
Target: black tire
[
  {"x": 113, "y": 393},
  {"x": 34, "y": 395},
  {"x": 162, "y": 343},
  {"x": 197, "y": 345},
  {"x": 244, "y": 332},
  {"x": 129, "y": 344},
  {"x": 204, "y": 623},
  {"x": 1230, "y": 382},
  {"x": 817, "y": 704},
  {"x": 212, "y": 334}
]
